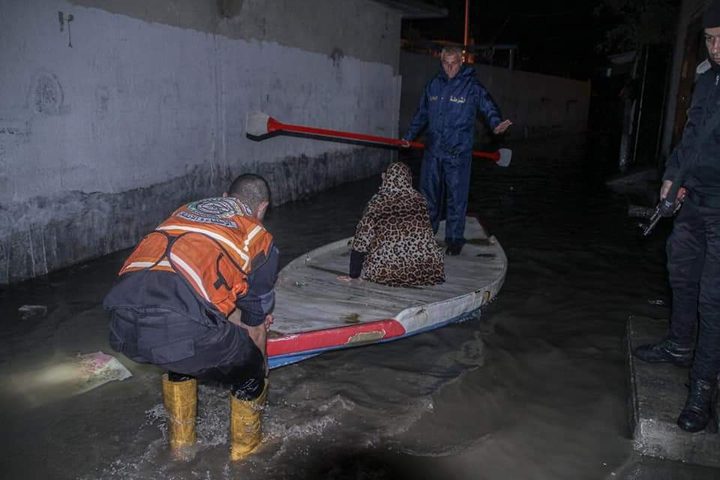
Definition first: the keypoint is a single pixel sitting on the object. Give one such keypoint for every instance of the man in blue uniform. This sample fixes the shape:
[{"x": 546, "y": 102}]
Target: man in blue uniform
[
  {"x": 449, "y": 107},
  {"x": 694, "y": 246}
]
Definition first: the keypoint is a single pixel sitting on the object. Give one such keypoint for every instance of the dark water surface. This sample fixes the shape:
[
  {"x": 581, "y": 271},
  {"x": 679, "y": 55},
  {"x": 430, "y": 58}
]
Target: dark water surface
[{"x": 534, "y": 389}]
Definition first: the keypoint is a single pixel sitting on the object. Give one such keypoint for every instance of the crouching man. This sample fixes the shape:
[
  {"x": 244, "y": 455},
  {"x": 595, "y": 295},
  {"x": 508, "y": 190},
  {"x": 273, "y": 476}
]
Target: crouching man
[{"x": 195, "y": 298}]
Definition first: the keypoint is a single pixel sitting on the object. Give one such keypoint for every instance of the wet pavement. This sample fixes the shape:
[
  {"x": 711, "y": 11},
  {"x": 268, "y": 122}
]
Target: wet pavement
[{"x": 534, "y": 389}]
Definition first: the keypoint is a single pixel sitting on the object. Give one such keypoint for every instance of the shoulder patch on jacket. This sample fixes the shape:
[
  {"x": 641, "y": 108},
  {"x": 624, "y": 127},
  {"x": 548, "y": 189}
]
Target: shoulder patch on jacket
[
  {"x": 217, "y": 211},
  {"x": 703, "y": 67}
]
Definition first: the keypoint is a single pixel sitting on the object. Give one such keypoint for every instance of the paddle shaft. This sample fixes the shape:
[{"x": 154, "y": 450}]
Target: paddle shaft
[{"x": 275, "y": 126}]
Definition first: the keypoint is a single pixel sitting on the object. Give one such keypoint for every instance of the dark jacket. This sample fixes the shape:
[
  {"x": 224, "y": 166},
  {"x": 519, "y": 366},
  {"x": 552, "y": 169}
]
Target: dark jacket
[
  {"x": 449, "y": 108},
  {"x": 703, "y": 156}
]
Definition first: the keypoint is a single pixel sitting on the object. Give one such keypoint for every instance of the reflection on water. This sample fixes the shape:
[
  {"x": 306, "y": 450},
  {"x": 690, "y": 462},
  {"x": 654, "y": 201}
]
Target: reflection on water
[{"x": 535, "y": 388}]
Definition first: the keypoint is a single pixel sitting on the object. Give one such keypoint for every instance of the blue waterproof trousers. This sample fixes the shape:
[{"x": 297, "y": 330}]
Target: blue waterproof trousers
[
  {"x": 445, "y": 183},
  {"x": 693, "y": 252}
]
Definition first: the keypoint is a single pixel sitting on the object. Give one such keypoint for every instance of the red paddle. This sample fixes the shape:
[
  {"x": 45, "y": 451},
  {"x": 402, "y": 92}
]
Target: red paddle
[{"x": 258, "y": 124}]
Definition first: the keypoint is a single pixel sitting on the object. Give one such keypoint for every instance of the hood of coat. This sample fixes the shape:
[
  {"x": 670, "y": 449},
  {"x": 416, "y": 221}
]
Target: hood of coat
[
  {"x": 465, "y": 71},
  {"x": 396, "y": 178}
]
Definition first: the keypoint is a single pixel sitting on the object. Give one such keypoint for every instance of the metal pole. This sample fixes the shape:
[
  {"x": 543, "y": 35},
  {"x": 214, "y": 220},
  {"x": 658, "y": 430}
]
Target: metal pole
[
  {"x": 646, "y": 51},
  {"x": 466, "y": 38}
]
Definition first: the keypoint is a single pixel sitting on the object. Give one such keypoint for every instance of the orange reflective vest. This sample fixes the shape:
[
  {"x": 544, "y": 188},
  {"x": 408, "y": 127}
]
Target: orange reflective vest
[{"x": 211, "y": 243}]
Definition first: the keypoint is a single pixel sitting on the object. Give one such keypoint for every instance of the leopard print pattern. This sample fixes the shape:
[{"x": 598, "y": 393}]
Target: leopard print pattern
[{"x": 396, "y": 235}]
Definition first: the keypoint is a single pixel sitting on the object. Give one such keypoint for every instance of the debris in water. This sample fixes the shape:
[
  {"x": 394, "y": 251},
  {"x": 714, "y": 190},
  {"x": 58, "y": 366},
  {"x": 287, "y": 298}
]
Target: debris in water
[
  {"x": 100, "y": 368},
  {"x": 65, "y": 378},
  {"x": 657, "y": 301},
  {"x": 32, "y": 311}
]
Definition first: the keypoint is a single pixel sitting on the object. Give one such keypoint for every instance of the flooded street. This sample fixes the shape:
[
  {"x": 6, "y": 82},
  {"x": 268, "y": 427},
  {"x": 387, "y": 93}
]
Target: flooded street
[{"x": 536, "y": 388}]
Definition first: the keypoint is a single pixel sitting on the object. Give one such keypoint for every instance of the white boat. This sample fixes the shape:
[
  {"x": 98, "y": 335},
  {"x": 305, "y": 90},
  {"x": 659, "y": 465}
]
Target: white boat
[{"x": 315, "y": 312}]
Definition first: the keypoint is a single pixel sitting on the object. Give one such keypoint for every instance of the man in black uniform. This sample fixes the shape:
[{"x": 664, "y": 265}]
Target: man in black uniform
[{"x": 694, "y": 246}]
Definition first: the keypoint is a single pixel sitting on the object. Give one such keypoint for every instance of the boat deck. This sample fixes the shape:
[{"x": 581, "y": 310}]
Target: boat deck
[{"x": 310, "y": 297}]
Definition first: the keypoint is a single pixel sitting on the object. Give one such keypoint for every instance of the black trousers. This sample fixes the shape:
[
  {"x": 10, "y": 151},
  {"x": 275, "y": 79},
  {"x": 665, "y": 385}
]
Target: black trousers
[
  {"x": 215, "y": 350},
  {"x": 245, "y": 382},
  {"x": 693, "y": 252}
]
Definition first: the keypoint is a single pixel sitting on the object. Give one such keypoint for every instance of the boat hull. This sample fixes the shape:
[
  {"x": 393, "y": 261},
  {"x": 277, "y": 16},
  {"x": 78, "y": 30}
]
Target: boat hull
[{"x": 316, "y": 312}]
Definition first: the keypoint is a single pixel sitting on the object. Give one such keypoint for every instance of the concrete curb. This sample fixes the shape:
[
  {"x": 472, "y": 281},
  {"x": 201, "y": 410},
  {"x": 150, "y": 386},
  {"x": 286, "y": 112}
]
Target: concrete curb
[{"x": 657, "y": 395}]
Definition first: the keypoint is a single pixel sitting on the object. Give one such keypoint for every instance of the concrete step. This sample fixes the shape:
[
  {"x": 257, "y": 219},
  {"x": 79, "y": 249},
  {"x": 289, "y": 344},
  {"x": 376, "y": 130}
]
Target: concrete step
[{"x": 658, "y": 393}]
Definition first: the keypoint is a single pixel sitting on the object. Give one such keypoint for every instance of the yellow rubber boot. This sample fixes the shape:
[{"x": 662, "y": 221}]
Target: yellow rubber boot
[
  {"x": 246, "y": 425},
  {"x": 180, "y": 400}
]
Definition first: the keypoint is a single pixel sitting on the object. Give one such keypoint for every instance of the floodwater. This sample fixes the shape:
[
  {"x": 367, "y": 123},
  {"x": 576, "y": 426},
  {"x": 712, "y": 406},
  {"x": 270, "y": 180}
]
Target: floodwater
[{"x": 536, "y": 388}]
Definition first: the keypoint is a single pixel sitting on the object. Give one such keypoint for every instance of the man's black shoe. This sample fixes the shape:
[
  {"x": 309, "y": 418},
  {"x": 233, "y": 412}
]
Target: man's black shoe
[
  {"x": 700, "y": 410},
  {"x": 665, "y": 351},
  {"x": 453, "y": 250}
]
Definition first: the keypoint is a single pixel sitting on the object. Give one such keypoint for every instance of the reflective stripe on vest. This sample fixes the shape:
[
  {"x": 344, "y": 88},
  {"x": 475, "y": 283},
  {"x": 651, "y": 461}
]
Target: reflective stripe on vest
[
  {"x": 194, "y": 276},
  {"x": 164, "y": 263},
  {"x": 216, "y": 236}
]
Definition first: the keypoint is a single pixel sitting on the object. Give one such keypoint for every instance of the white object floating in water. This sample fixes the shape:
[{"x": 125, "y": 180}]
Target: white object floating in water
[
  {"x": 100, "y": 368},
  {"x": 30, "y": 311},
  {"x": 58, "y": 378},
  {"x": 656, "y": 301}
]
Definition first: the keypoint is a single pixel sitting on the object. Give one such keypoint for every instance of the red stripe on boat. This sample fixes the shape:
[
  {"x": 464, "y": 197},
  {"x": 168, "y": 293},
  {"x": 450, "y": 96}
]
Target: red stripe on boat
[{"x": 362, "y": 333}]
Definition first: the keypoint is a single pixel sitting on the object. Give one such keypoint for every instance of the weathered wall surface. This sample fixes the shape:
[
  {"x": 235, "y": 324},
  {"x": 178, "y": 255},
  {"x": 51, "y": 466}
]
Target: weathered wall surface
[
  {"x": 111, "y": 119},
  {"x": 537, "y": 104}
]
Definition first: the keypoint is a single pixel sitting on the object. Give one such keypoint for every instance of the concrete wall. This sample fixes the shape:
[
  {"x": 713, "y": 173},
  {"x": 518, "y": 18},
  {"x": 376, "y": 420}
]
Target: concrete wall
[
  {"x": 538, "y": 105},
  {"x": 111, "y": 120}
]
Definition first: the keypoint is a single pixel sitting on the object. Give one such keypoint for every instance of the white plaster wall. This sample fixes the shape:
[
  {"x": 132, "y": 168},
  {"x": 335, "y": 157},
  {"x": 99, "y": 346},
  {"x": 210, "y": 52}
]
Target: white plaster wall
[
  {"x": 142, "y": 103},
  {"x": 101, "y": 139},
  {"x": 307, "y": 89}
]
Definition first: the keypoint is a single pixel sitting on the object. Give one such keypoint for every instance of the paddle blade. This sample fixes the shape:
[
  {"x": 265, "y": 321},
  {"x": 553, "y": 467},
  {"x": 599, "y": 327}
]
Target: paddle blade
[
  {"x": 505, "y": 157},
  {"x": 256, "y": 124}
]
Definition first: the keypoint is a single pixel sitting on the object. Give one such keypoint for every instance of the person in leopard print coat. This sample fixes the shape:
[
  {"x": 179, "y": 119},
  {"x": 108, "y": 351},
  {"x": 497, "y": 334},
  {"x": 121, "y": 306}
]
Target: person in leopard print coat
[{"x": 394, "y": 242}]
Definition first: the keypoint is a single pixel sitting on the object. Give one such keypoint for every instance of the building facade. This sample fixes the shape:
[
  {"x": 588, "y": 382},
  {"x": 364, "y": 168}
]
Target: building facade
[{"x": 114, "y": 112}]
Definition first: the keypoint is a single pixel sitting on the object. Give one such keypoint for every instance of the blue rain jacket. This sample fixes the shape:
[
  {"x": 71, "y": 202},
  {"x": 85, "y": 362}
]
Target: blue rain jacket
[{"x": 449, "y": 108}]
